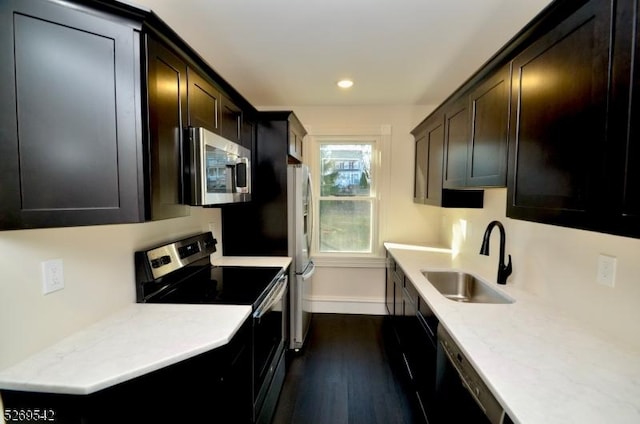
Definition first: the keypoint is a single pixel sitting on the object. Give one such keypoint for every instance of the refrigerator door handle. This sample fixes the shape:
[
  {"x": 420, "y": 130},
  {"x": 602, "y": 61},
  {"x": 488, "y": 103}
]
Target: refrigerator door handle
[
  {"x": 308, "y": 271},
  {"x": 311, "y": 204}
]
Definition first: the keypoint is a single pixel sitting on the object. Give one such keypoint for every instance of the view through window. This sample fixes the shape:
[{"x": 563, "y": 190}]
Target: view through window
[{"x": 347, "y": 197}]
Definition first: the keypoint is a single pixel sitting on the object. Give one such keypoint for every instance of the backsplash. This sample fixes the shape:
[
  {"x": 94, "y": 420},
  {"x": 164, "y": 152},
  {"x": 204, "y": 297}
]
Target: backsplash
[
  {"x": 98, "y": 277},
  {"x": 557, "y": 263}
]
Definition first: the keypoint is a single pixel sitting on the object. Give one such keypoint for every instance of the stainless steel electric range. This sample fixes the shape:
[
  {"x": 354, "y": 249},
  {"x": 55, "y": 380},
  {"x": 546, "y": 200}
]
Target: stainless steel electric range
[{"x": 181, "y": 272}]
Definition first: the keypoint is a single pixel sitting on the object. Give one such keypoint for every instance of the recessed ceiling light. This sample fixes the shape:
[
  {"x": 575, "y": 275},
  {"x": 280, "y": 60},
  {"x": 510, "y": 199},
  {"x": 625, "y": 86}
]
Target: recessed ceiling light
[{"x": 345, "y": 83}]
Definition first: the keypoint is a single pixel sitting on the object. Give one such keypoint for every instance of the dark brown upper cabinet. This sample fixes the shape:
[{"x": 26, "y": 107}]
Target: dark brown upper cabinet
[
  {"x": 248, "y": 132},
  {"x": 293, "y": 137},
  {"x": 628, "y": 157},
  {"x": 559, "y": 102},
  {"x": 203, "y": 102},
  {"x": 456, "y": 142},
  {"x": 95, "y": 100},
  {"x": 574, "y": 132},
  {"x": 263, "y": 222},
  {"x": 617, "y": 209},
  {"x": 296, "y": 137},
  {"x": 167, "y": 78},
  {"x": 559, "y": 126},
  {"x": 429, "y": 139},
  {"x": 428, "y": 172},
  {"x": 231, "y": 121},
  {"x": 488, "y": 139},
  {"x": 70, "y": 148},
  {"x": 476, "y": 134}
]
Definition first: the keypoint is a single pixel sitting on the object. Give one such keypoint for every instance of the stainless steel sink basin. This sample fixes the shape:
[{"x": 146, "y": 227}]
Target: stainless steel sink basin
[{"x": 463, "y": 287}]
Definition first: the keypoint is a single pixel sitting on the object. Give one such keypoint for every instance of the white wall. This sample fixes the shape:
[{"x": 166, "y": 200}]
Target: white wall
[
  {"x": 98, "y": 277},
  {"x": 556, "y": 263},
  {"x": 357, "y": 289}
]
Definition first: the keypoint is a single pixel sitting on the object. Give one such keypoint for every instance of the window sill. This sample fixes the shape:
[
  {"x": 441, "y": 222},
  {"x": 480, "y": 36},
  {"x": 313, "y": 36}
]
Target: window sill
[{"x": 349, "y": 261}]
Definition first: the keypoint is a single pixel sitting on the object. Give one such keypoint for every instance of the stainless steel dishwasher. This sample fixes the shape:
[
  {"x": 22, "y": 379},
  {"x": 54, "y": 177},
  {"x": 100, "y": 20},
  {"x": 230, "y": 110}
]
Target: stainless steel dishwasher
[{"x": 461, "y": 395}]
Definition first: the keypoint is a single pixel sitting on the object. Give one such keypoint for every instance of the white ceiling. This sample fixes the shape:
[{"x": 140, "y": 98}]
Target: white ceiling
[{"x": 398, "y": 52}]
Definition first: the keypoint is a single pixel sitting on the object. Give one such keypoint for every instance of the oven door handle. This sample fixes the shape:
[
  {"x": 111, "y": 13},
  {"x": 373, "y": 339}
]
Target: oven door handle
[{"x": 274, "y": 298}]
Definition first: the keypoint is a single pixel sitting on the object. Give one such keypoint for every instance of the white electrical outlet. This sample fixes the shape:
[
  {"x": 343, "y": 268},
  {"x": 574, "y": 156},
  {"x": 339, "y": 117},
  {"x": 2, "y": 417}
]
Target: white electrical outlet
[
  {"x": 52, "y": 276},
  {"x": 606, "y": 270}
]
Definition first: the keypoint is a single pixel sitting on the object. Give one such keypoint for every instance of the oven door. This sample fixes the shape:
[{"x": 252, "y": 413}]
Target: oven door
[
  {"x": 219, "y": 170},
  {"x": 269, "y": 321}
]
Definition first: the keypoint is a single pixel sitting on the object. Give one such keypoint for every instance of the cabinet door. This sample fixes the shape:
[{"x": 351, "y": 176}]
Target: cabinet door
[
  {"x": 69, "y": 150},
  {"x": 389, "y": 285},
  {"x": 248, "y": 133},
  {"x": 167, "y": 91},
  {"x": 559, "y": 120},
  {"x": 428, "y": 162},
  {"x": 203, "y": 102},
  {"x": 293, "y": 145},
  {"x": 456, "y": 141},
  {"x": 398, "y": 310},
  {"x": 230, "y": 120},
  {"x": 487, "y": 154},
  {"x": 296, "y": 137},
  {"x": 628, "y": 222}
]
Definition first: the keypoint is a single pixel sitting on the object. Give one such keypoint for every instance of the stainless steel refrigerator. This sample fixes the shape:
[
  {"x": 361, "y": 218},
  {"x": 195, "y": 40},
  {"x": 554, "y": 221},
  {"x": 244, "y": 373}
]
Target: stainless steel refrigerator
[{"x": 300, "y": 229}]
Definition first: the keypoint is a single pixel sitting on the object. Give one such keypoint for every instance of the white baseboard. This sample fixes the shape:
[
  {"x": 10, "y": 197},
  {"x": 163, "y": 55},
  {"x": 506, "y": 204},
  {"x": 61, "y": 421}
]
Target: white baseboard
[{"x": 345, "y": 305}]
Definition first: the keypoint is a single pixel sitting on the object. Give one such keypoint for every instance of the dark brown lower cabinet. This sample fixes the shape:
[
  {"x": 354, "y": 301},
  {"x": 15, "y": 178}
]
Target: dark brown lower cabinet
[
  {"x": 215, "y": 386},
  {"x": 413, "y": 328}
]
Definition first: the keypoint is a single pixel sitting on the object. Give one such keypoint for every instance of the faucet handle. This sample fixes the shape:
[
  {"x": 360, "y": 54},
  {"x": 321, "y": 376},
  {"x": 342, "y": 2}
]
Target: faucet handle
[{"x": 505, "y": 272}]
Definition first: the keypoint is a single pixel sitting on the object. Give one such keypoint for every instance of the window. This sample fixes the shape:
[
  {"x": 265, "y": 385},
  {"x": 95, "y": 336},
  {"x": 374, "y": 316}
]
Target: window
[{"x": 347, "y": 204}]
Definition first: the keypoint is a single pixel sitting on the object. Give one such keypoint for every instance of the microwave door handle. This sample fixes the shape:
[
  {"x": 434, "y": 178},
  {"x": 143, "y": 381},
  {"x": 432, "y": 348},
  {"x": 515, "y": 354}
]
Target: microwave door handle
[
  {"x": 241, "y": 182},
  {"x": 272, "y": 300}
]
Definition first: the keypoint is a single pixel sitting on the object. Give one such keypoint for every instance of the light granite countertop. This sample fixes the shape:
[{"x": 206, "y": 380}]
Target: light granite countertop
[
  {"x": 277, "y": 261},
  {"x": 541, "y": 365},
  {"x": 134, "y": 341}
]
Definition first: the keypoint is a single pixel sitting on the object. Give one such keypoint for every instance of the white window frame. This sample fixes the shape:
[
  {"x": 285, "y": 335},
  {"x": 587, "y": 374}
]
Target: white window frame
[{"x": 380, "y": 137}]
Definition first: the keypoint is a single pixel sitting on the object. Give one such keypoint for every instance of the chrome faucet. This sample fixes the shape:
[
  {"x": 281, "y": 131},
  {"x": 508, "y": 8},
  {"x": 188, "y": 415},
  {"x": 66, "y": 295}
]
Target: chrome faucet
[{"x": 504, "y": 271}]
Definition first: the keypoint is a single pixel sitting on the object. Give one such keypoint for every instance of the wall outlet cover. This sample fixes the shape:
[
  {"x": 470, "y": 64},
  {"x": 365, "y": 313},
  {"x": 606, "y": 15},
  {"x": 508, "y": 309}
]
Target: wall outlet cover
[
  {"x": 606, "y": 270},
  {"x": 52, "y": 276}
]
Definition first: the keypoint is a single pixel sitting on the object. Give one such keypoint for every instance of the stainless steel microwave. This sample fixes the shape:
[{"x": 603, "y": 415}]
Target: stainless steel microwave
[{"x": 217, "y": 170}]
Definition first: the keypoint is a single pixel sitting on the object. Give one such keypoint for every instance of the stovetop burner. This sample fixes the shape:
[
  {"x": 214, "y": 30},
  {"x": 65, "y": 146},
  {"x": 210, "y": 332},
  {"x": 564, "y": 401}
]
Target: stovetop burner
[
  {"x": 220, "y": 285},
  {"x": 181, "y": 272}
]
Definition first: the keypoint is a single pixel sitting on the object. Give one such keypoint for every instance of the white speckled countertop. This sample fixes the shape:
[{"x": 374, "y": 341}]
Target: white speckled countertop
[
  {"x": 139, "y": 339},
  {"x": 277, "y": 261},
  {"x": 134, "y": 341},
  {"x": 542, "y": 366}
]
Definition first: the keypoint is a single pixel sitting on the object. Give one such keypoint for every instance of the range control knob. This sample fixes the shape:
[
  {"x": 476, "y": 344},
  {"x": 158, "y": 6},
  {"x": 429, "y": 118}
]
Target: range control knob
[{"x": 162, "y": 260}]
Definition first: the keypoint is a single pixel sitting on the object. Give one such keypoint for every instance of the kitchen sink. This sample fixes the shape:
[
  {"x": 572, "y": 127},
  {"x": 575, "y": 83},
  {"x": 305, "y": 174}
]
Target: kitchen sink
[{"x": 463, "y": 287}]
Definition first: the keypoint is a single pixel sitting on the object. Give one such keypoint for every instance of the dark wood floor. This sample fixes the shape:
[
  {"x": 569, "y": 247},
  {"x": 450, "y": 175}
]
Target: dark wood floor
[{"x": 343, "y": 376}]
